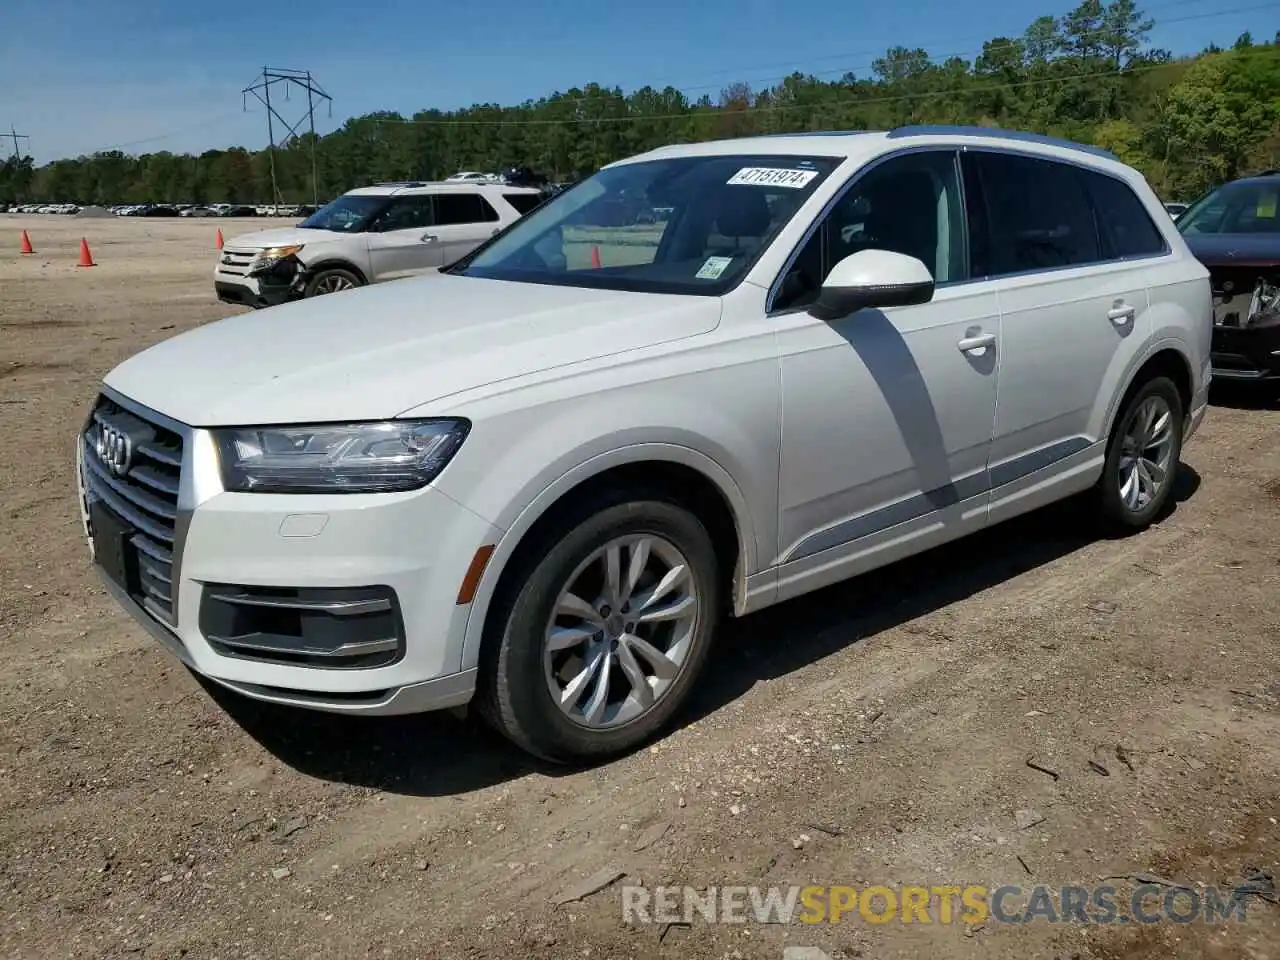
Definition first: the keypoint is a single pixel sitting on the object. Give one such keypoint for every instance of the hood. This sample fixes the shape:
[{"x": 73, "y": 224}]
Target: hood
[
  {"x": 1235, "y": 249},
  {"x": 281, "y": 237},
  {"x": 377, "y": 351}
]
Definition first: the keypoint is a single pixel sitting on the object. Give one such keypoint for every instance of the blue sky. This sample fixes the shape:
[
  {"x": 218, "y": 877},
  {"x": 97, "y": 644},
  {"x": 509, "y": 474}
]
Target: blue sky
[{"x": 140, "y": 75}]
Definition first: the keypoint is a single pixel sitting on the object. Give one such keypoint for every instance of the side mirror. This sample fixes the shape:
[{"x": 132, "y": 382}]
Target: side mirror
[{"x": 873, "y": 278}]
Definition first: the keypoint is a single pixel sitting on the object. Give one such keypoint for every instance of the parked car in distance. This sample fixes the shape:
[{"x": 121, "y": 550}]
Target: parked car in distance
[
  {"x": 1235, "y": 232},
  {"x": 366, "y": 236},
  {"x": 540, "y": 479}
]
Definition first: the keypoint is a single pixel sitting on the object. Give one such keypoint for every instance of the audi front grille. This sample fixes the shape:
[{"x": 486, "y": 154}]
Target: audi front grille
[{"x": 133, "y": 467}]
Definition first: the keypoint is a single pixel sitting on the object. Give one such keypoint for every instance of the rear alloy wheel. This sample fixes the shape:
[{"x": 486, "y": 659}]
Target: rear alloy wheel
[
  {"x": 331, "y": 281},
  {"x": 1142, "y": 456},
  {"x": 606, "y": 634}
]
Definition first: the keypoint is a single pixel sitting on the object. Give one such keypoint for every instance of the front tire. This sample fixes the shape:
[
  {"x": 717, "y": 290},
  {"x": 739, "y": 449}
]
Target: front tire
[
  {"x": 1142, "y": 455},
  {"x": 605, "y": 631},
  {"x": 332, "y": 280}
]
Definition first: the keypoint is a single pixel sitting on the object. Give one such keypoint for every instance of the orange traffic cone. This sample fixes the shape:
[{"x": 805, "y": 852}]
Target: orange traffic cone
[
  {"x": 25, "y": 249},
  {"x": 219, "y": 243},
  {"x": 86, "y": 258},
  {"x": 595, "y": 258}
]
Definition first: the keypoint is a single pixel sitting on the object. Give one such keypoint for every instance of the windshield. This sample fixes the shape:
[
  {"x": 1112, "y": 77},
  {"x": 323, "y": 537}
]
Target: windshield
[
  {"x": 1246, "y": 206},
  {"x": 347, "y": 214},
  {"x": 682, "y": 225}
]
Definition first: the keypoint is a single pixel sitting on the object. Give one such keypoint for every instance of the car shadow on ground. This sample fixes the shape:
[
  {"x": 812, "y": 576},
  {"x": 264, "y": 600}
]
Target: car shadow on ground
[{"x": 440, "y": 754}]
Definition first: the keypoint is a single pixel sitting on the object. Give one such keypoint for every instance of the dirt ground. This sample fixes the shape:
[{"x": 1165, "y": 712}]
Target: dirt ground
[{"x": 877, "y": 733}]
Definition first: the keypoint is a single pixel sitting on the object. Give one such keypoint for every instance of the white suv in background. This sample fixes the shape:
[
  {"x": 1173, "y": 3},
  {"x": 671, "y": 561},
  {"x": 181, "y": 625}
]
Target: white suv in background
[
  {"x": 368, "y": 235},
  {"x": 705, "y": 380}
]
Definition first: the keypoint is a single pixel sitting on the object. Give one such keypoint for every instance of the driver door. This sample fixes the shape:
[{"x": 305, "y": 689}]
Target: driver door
[
  {"x": 888, "y": 414},
  {"x": 402, "y": 241}
]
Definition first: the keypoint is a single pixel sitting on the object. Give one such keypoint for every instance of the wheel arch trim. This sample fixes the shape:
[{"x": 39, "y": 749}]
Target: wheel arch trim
[
  {"x": 1170, "y": 345},
  {"x": 538, "y": 506}
]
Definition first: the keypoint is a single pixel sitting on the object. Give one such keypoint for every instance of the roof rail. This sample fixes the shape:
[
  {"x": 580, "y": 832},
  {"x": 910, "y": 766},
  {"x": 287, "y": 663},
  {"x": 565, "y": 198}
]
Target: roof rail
[
  {"x": 400, "y": 183},
  {"x": 1025, "y": 137},
  {"x": 810, "y": 133}
]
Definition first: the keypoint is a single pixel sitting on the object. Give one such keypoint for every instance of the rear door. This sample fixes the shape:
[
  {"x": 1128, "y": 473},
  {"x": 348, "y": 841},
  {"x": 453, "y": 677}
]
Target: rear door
[
  {"x": 1074, "y": 315},
  {"x": 887, "y": 414},
  {"x": 463, "y": 221},
  {"x": 402, "y": 241}
]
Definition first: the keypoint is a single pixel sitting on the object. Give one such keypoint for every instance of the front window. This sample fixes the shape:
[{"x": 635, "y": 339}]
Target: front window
[
  {"x": 1241, "y": 207},
  {"x": 683, "y": 225},
  {"x": 347, "y": 214}
]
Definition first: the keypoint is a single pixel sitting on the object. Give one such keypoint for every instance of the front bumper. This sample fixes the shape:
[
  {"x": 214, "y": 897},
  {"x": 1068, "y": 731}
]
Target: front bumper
[
  {"x": 1246, "y": 353},
  {"x": 233, "y": 284},
  {"x": 417, "y": 545}
]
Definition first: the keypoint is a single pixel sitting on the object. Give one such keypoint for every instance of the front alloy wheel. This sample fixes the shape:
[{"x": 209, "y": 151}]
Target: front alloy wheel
[
  {"x": 333, "y": 283},
  {"x": 611, "y": 658},
  {"x": 601, "y": 631}
]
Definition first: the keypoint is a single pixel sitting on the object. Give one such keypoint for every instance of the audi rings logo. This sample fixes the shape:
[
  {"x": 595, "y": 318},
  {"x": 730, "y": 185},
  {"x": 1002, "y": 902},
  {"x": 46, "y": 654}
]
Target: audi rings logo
[{"x": 114, "y": 448}]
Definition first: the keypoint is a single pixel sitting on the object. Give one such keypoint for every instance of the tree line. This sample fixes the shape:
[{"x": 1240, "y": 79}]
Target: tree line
[{"x": 1091, "y": 76}]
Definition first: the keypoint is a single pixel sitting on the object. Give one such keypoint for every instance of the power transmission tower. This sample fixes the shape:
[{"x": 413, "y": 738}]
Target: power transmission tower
[
  {"x": 261, "y": 88},
  {"x": 15, "y": 136}
]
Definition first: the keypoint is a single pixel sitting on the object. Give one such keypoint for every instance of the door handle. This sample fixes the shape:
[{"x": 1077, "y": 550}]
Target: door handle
[
  {"x": 428, "y": 238},
  {"x": 977, "y": 343},
  {"x": 1121, "y": 314}
]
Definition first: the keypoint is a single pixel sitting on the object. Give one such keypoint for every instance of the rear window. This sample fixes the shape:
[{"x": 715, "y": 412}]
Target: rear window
[
  {"x": 455, "y": 208},
  {"x": 1127, "y": 228},
  {"x": 1038, "y": 214},
  {"x": 524, "y": 202}
]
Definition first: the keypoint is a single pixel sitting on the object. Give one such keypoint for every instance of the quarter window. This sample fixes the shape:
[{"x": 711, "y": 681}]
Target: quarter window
[
  {"x": 909, "y": 204},
  {"x": 523, "y": 202},
  {"x": 1127, "y": 228},
  {"x": 1038, "y": 213}
]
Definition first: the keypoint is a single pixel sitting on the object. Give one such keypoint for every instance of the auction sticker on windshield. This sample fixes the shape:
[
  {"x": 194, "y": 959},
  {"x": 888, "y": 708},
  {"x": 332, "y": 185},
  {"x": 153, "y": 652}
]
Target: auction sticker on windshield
[
  {"x": 773, "y": 177},
  {"x": 713, "y": 267}
]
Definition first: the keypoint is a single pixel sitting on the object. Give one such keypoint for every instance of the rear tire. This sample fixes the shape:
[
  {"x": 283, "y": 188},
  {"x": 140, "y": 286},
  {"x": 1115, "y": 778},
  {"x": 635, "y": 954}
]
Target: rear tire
[
  {"x": 1142, "y": 455},
  {"x": 602, "y": 632},
  {"x": 332, "y": 280}
]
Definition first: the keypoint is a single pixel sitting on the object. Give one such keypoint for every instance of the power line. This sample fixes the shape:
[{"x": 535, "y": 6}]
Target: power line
[
  {"x": 203, "y": 124},
  {"x": 783, "y": 108},
  {"x": 780, "y": 108},
  {"x": 990, "y": 45},
  {"x": 995, "y": 44}
]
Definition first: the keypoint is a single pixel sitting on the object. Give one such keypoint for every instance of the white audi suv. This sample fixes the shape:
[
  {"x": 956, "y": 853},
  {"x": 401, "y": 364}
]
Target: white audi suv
[{"x": 705, "y": 380}]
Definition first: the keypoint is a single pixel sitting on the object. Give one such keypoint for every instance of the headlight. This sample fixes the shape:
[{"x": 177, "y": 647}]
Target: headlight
[
  {"x": 338, "y": 458},
  {"x": 268, "y": 258},
  {"x": 279, "y": 253}
]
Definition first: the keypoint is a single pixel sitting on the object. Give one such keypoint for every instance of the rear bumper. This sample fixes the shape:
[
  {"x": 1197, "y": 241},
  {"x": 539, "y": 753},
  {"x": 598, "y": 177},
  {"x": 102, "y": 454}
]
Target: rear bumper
[{"x": 1246, "y": 353}]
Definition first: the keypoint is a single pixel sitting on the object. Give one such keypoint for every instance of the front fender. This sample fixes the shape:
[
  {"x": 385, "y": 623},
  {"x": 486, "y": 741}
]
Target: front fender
[{"x": 585, "y": 470}]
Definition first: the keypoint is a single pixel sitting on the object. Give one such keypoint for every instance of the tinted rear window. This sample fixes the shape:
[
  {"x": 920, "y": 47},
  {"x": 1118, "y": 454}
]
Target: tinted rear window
[
  {"x": 453, "y": 208},
  {"x": 1039, "y": 216},
  {"x": 1127, "y": 228}
]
